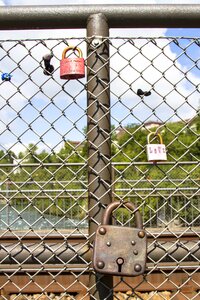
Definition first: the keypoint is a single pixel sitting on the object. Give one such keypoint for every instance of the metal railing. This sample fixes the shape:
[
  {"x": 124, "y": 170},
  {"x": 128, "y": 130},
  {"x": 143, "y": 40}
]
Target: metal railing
[{"x": 69, "y": 148}]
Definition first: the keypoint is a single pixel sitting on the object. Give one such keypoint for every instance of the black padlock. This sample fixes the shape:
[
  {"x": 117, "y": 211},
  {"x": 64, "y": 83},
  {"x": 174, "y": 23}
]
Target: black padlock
[
  {"x": 48, "y": 67},
  {"x": 120, "y": 250}
]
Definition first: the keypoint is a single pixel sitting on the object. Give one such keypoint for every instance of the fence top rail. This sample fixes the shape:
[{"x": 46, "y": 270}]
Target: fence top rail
[{"x": 119, "y": 16}]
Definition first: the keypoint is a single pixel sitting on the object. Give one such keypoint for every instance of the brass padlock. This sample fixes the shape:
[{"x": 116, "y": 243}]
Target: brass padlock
[{"x": 120, "y": 250}]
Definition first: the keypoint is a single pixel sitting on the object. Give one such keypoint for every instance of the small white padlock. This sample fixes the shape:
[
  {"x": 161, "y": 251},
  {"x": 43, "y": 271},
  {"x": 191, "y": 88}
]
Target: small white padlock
[{"x": 156, "y": 152}]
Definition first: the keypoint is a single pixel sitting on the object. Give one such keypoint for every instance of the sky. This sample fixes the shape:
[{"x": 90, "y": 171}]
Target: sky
[{"x": 28, "y": 114}]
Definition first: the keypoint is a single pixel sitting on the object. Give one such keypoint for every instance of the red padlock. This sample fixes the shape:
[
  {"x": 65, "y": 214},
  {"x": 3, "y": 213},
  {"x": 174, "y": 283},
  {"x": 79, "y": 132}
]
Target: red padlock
[{"x": 72, "y": 67}]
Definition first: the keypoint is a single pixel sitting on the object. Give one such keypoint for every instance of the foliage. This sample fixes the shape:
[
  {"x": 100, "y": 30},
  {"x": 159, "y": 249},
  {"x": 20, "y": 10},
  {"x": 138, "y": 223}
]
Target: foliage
[{"x": 53, "y": 172}]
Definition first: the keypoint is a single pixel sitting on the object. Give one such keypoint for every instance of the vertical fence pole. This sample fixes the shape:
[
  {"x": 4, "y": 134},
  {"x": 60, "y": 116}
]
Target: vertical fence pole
[{"x": 99, "y": 143}]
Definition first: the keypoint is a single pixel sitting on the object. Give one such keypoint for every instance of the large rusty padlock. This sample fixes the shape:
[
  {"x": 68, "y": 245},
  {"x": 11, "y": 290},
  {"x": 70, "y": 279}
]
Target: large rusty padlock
[
  {"x": 72, "y": 67},
  {"x": 120, "y": 250},
  {"x": 156, "y": 152}
]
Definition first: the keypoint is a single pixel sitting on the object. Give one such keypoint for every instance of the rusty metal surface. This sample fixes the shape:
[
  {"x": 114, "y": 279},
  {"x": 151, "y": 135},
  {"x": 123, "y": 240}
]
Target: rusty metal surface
[
  {"x": 117, "y": 204},
  {"x": 165, "y": 249},
  {"x": 23, "y": 284},
  {"x": 120, "y": 251}
]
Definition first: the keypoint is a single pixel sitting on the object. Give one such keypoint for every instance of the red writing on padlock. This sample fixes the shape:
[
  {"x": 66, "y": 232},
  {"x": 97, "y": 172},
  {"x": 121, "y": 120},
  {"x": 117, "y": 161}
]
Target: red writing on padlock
[
  {"x": 156, "y": 152},
  {"x": 72, "y": 67},
  {"x": 158, "y": 149}
]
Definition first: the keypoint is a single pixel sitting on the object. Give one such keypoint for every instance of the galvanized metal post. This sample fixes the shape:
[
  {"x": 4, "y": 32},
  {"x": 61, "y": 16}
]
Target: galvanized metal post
[{"x": 99, "y": 142}]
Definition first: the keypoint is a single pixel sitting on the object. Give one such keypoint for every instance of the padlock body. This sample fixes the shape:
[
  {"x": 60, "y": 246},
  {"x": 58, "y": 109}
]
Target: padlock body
[
  {"x": 72, "y": 68},
  {"x": 124, "y": 243},
  {"x": 156, "y": 152}
]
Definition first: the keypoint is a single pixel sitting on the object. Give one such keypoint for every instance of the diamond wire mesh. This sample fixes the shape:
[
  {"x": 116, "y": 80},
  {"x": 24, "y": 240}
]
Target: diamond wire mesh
[{"x": 154, "y": 86}]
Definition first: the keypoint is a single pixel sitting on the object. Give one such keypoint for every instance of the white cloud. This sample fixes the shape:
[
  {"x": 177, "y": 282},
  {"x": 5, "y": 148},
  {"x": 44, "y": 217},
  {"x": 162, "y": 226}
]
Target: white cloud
[
  {"x": 36, "y": 108},
  {"x": 19, "y": 147},
  {"x": 16, "y": 148},
  {"x": 155, "y": 68}
]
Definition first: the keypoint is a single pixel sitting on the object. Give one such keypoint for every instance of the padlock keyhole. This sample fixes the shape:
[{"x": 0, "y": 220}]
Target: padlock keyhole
[{"x": 120, "y": 262}]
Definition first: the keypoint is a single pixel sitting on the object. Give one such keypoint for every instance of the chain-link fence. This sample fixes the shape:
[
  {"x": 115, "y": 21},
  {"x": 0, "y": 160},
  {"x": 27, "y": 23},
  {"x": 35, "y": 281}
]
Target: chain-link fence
[{"x": 44, "y": 213}]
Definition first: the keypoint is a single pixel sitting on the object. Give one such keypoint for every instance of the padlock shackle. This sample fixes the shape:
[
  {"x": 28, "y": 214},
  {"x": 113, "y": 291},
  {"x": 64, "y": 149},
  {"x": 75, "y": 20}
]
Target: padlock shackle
[
  {"x": 155, "y": 134},
  {"x": 116, "y": 204},
  {"x": 80, "y": 53}
]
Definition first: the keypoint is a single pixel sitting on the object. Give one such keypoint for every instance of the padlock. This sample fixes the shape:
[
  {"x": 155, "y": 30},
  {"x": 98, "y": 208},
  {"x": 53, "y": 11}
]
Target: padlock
[
  {"x": 120, "y": 250},
  {"x": 156, "y": 152},
  {"x": 48, "y": 67},
  {"x": 6, "y": 77},
  {"x": 72, "y": 67}
]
